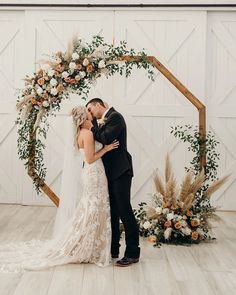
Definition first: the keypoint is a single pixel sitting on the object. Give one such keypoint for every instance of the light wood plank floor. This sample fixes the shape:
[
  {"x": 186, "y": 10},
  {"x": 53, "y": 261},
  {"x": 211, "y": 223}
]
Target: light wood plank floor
[{"x": 209, "y": 268}]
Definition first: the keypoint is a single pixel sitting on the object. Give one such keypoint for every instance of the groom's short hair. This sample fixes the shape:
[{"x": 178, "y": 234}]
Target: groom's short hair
[{"x": 96, "y": 100}]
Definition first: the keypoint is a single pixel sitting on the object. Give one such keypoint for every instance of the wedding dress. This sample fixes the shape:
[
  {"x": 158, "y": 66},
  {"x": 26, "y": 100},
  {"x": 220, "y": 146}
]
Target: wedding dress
[{"x": 85, "y": 238}]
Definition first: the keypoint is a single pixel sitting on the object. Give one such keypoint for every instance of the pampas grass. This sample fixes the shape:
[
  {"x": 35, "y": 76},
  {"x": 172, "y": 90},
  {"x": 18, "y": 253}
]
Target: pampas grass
[
  {"x": 168, "y": 168},
  {"x": 39, "y": 118},
  {"x": 159, "y": 184},
  {"x": 198, "y": 182},
  {"x": 185, "y": 186},
  {"x": 215, "y": 186},
  {"x": 190, "y": 185}
]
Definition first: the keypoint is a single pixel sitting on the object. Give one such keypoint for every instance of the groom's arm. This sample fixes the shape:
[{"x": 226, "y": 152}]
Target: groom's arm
[{"x": 110, "y": 131}]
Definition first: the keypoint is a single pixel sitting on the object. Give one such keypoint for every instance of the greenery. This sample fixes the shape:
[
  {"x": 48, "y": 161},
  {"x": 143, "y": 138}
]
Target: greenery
[
  {"x": 181, "y": 216},
  {"x": 190, "y": 135},
  {"x": 74, "y": 71}
]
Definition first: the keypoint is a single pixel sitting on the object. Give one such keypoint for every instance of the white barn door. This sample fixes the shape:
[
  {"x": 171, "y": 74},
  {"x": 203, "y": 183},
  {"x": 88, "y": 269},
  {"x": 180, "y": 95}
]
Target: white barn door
[
  {"x": 11, "y": 71},
  {"x": 221, "y": 98},
  {"x": 177, "y": 39},
  {"x": 48, "y": 32}
]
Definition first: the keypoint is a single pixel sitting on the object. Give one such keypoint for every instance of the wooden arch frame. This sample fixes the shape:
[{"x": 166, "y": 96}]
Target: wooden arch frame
[{"x": 193, "y": 99}]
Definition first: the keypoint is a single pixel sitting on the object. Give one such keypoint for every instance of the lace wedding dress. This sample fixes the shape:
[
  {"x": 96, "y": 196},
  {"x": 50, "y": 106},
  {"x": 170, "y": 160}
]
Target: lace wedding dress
[{"x": 85, "y": 238}]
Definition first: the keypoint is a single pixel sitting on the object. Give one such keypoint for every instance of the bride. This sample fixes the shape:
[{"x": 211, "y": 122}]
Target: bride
[{"x": 86, "y": 236}]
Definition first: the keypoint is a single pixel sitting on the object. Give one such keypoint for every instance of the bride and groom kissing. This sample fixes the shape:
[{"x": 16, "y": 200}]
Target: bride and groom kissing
[{"x": 92, "y": 233}]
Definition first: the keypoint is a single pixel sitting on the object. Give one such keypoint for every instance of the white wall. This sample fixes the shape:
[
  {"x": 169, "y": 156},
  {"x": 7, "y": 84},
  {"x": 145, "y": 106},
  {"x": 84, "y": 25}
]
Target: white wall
[{"x": 198, "y": 46}]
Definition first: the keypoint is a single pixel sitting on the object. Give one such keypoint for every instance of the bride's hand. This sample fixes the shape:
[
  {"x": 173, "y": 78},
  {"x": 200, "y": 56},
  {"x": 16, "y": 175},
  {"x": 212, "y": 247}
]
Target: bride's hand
[{"x": 112, "y": 146}]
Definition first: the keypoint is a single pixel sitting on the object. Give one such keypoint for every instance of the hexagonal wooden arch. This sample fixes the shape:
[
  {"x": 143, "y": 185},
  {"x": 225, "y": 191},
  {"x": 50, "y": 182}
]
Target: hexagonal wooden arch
[{"x": 193, "y": 99}]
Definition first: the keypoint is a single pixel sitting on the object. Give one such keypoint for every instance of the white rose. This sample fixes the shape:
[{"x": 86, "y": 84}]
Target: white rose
[
  {"x": 167, "y": 233},
  {"x": 75, "y": 55},
  {"x": 186, "y": 231},
  {"x": 39, "y": 91},
  {"x": 101, "y": 64},
  {"x": 51, "y": 72},
  {"x": 65, "y": 74},
  {"x": 170, "y": 216},
  {"x": 82, "y": 74},
  {"x": 183, "y": 222},
  {"x": 53, "y": 91},
  {"x": 158, "y": 210},
  {"x": 85, "y": 62},
  {"x": 72, "y": 65},
  {"x": 45, "y": 104},
  {"x": 200, "y": 232},
  {"x": 146, "y": 224},
  {"x": 53, "y": 82},
  {"x": 165, "y": 210}
]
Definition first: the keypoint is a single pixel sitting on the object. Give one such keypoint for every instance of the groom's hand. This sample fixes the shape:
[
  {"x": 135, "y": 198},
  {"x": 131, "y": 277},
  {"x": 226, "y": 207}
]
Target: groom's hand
[{"x": 87, "y": 125}]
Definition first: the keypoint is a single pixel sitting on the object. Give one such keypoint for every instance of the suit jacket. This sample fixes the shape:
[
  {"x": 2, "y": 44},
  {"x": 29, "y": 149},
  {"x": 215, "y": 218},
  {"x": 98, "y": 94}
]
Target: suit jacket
[{"x": 117, "y": 161}]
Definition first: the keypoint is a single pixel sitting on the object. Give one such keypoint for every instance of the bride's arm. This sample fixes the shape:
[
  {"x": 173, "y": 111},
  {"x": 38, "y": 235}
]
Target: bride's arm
[{"x": 89, "y": 148}]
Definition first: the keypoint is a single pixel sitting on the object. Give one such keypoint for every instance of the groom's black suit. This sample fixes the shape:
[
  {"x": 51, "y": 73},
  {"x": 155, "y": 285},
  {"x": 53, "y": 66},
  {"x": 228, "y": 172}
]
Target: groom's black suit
[{"x": 119, "y": 171}]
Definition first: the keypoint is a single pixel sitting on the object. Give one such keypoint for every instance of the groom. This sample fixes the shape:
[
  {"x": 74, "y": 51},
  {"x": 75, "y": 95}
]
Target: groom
[{"x": 119, "y": 171}]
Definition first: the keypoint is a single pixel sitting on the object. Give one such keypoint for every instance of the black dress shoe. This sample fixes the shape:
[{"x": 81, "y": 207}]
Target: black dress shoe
[
  {"x": 114, "y": 255},
  {"x": 126, "y": 261}
]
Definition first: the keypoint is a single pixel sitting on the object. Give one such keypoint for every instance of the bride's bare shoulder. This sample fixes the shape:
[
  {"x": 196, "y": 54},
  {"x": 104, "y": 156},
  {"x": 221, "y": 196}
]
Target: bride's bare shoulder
[{"x": 86, "y": 133}]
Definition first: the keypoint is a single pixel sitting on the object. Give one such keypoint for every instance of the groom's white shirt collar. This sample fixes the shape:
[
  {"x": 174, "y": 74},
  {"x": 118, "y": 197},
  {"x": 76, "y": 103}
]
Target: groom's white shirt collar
[{"x": 101, "y": 121}]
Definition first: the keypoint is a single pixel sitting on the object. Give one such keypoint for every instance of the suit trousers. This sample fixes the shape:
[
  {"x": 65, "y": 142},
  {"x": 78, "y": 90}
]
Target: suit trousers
[{"x": 119, "y": 191}]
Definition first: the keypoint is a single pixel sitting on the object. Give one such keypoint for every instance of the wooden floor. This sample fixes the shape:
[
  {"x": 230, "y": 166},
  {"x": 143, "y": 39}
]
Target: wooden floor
[{"x": 208, "y": 268}]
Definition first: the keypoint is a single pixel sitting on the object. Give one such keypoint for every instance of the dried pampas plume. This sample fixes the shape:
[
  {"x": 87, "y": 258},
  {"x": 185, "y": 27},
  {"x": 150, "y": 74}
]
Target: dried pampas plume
[
  {"x": 158, "y": 184},
  {"x": 24, "y": 101},
  {"x": 215, "y": 186},
  {"x": 25, "y": 111},
  {"x": 70, "y": 48},
  {"x": 39, "y": 118},
  {"x": 186, "y": 186},
  {"x": 168, "y": 168},
  {"x": 170, "y": 191},
  {"x": 197, "y": 183},
  {"x": 188, "y": 202}
]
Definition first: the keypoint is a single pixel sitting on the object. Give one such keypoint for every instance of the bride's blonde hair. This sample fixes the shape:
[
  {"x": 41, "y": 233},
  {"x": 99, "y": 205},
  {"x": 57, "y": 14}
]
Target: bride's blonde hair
[{"x": 79, "y": 115}]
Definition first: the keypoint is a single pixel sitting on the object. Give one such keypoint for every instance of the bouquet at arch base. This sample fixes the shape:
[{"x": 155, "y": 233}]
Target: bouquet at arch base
[{"x": 178, "y": 215}]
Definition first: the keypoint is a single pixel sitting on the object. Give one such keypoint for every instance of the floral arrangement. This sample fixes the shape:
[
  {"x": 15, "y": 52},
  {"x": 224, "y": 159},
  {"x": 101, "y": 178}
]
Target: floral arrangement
[
  {"x": 73, "y": 71},
  {"x": 180, "y": 215}
]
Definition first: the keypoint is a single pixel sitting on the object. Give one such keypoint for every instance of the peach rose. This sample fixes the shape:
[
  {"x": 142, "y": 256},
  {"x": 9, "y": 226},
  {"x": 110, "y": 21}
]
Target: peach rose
[
  {"x": 178, "y": 225},
  {"x": 77, "y": 78},
  {"x": 195, "y": 222},
  {"x": 152, "y": 239},
  {"x": 59, "y": 68},
  {"x": 194, "y": 235},
  {"x": 78, "y": 67},
  {"x": 189, "y": 213},
  {"x": 45, "y": 96},
  {"x": 60, "y": 88},
  {"x": 41, "y": 81},
  {"x": 33, "y": 101},
  {"x": 89, "y": 68},
  {"x": 167, "y": 223}
]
